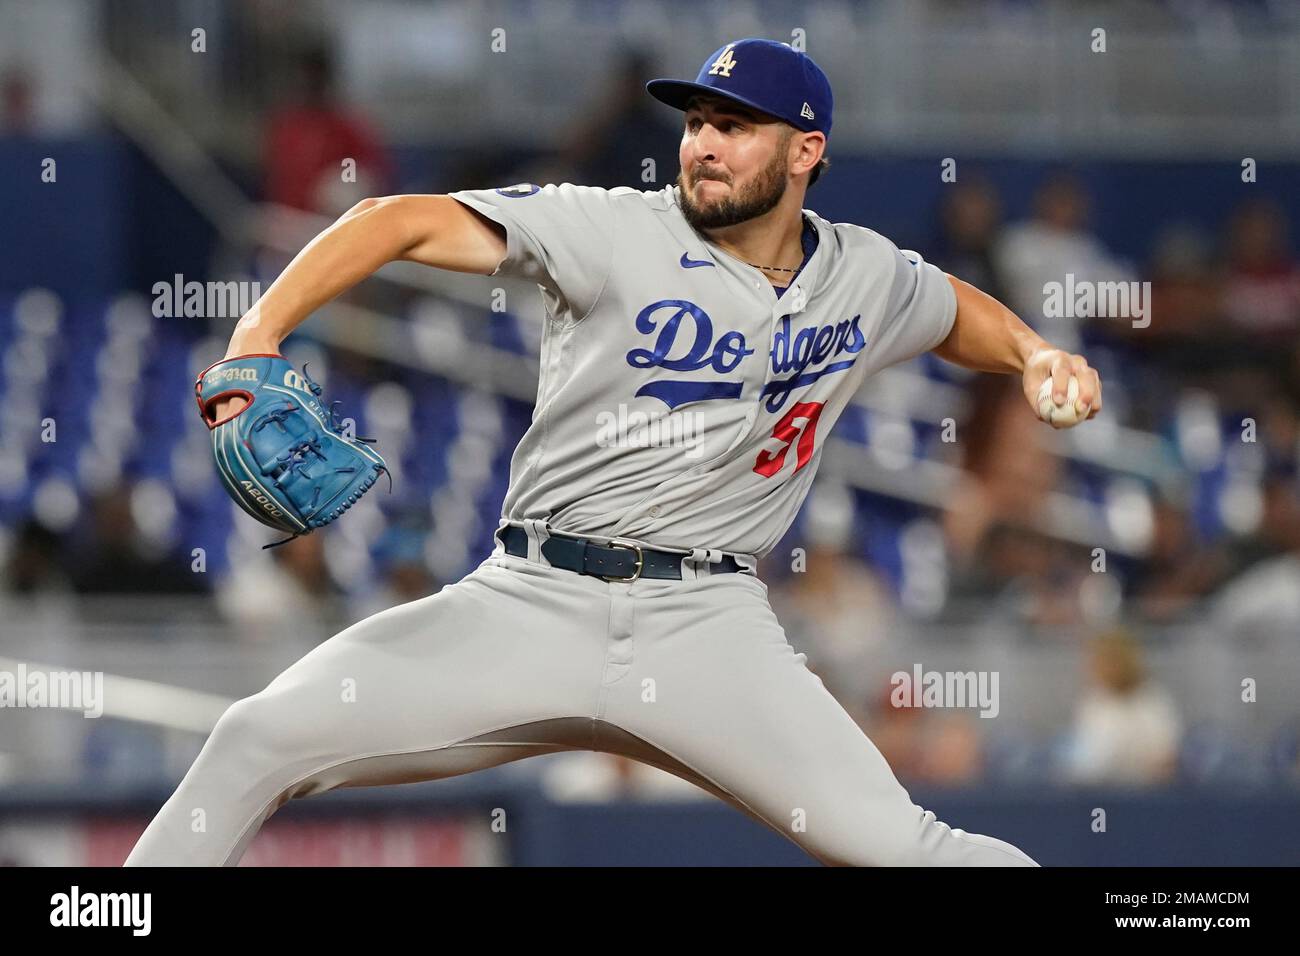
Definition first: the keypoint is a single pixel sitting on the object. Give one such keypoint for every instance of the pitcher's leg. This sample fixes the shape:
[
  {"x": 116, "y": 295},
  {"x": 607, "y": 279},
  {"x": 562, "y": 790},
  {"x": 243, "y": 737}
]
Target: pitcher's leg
[
  {"x": 481, "y": 673},
  {"x": 735, "y": 703}
]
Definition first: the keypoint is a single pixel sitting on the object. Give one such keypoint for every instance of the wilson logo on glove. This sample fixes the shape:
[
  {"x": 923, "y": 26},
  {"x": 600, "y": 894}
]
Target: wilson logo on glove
[
  {"x": 231, "y": 375},
  {"x": 283, "y": 457},
  {"x": 294, "y": 380}
]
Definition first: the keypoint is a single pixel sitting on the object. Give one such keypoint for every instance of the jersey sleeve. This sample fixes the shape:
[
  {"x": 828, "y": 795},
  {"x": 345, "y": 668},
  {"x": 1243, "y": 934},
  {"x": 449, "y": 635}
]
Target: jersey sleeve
[
  {"x": 559, "y": 236},
  {"x": 920, "y": 311}
]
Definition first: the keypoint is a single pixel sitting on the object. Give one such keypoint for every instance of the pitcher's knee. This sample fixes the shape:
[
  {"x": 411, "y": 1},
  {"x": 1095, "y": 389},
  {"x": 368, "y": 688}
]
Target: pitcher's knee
[{"x": 257, "y": 737}]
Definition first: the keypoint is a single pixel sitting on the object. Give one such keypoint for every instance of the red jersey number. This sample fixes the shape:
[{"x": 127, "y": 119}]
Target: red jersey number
[{"x": 786, "y": 431}]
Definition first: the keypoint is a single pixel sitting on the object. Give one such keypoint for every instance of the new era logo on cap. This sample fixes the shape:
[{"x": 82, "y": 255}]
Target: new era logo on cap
[{"x": 807, "y": 112}]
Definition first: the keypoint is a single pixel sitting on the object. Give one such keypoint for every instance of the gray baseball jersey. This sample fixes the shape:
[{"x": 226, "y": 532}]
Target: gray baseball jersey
[
  {"x": 682, "y": 403},
  {"x": 653, "y": 325}
]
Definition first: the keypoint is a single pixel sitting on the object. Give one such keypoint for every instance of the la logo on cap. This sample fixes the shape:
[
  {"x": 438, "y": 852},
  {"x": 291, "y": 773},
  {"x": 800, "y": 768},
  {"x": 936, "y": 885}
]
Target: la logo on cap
[{"x": 724, "y": 64}]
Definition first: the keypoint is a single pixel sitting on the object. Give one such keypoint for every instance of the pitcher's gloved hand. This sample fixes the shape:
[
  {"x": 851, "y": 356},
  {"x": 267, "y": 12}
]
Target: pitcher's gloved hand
[{"x": 282, "y": 456}]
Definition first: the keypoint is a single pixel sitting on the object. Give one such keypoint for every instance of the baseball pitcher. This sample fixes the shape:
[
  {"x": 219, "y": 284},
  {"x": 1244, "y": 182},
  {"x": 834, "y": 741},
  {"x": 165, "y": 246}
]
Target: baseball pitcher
[{"x": 620, "y": 610}]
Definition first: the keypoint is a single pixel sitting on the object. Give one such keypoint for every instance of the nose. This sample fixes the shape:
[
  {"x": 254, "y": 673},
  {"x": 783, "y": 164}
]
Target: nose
[{"x": 705, "y": 144}]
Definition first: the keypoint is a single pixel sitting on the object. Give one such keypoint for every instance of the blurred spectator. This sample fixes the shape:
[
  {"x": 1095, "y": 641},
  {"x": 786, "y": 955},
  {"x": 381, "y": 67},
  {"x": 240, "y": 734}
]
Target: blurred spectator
[
  {"x": 925, "y": 746},
  {"x": 1185, "y": 292},
  {"x": 954, "y": 749},
  {"x": 1032, "y": 579},
  {"x": 1261, "y": 602},
  {"x": 118, "y": 558},
  {"x": 17, "y": 114},
  {"x": 1264, "y": 600},
  {"x": 609, "y": 143},
  {"x": 477, "y": 169},
  {"x": 1053, "y": 245},
  {"x": 1004, "y": 449},
  {"x": 34, "y": 587},
  {"x": 308, "y": 140},
  {"x": 1126, "y": 727},
  {"x": 1184, "y": 342},
  {"x": 1010, "y": 468},
  {"x": 896, "y": 732},
  {"x": 1279, "y": 433},
  {"x": 1230, "y": 326},
  {"x": 35, "y": 561},
  {"x": 970, "y": 218},
  {"x": 1002, "y": 444},
  {"x": 1180, "y": 569},
  {"x": 287, "y": 592},
  {"x": 404, "y": 573},
  {"x": 1262, "y": 289}
]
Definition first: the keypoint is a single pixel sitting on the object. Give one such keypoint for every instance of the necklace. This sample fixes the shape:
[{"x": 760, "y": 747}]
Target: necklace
[
  {"x": 769, "y": 268},
  {"x": 806, "y": 229}
]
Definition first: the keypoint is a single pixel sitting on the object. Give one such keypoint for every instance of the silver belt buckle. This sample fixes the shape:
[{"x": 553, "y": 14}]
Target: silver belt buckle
[{"x": 640, "y": 560}]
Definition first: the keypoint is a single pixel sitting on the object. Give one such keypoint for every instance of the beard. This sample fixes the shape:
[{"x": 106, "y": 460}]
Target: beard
[{"x": 755, "y": 198}]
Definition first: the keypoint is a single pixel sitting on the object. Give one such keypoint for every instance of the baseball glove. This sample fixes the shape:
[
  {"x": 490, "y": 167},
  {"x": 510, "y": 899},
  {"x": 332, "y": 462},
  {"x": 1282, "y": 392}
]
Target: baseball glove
[{"x": 283, "y": 456}]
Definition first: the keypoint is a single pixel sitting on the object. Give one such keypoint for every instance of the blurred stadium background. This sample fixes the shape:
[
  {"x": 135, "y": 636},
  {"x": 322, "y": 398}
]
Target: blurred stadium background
[{"x": 215, "y": 155}]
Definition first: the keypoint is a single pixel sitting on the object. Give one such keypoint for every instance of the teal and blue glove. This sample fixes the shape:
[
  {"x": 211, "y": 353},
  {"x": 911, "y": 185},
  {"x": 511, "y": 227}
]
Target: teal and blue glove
[{"x": 283, "y": 457}]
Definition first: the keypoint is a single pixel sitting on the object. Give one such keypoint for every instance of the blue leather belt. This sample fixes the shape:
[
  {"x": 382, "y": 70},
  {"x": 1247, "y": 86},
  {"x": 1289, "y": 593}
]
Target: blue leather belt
[{"x": 612, "y": 562}]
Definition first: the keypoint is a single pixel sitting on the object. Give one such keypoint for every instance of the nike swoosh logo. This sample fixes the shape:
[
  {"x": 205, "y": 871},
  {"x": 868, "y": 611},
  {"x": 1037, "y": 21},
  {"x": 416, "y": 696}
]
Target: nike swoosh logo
[{"x": 688, "y": 263}]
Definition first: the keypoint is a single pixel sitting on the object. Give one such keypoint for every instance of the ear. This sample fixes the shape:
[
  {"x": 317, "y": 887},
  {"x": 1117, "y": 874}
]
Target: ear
[{"x": 811, "y": 147}]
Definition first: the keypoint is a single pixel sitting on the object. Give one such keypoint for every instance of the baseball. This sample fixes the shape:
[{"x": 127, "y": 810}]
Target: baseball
[{"x": 1060, "y": 415}]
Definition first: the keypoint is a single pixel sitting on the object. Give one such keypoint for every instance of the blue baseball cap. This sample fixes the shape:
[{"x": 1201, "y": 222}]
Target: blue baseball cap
[{"x": 765, "y": 75}]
